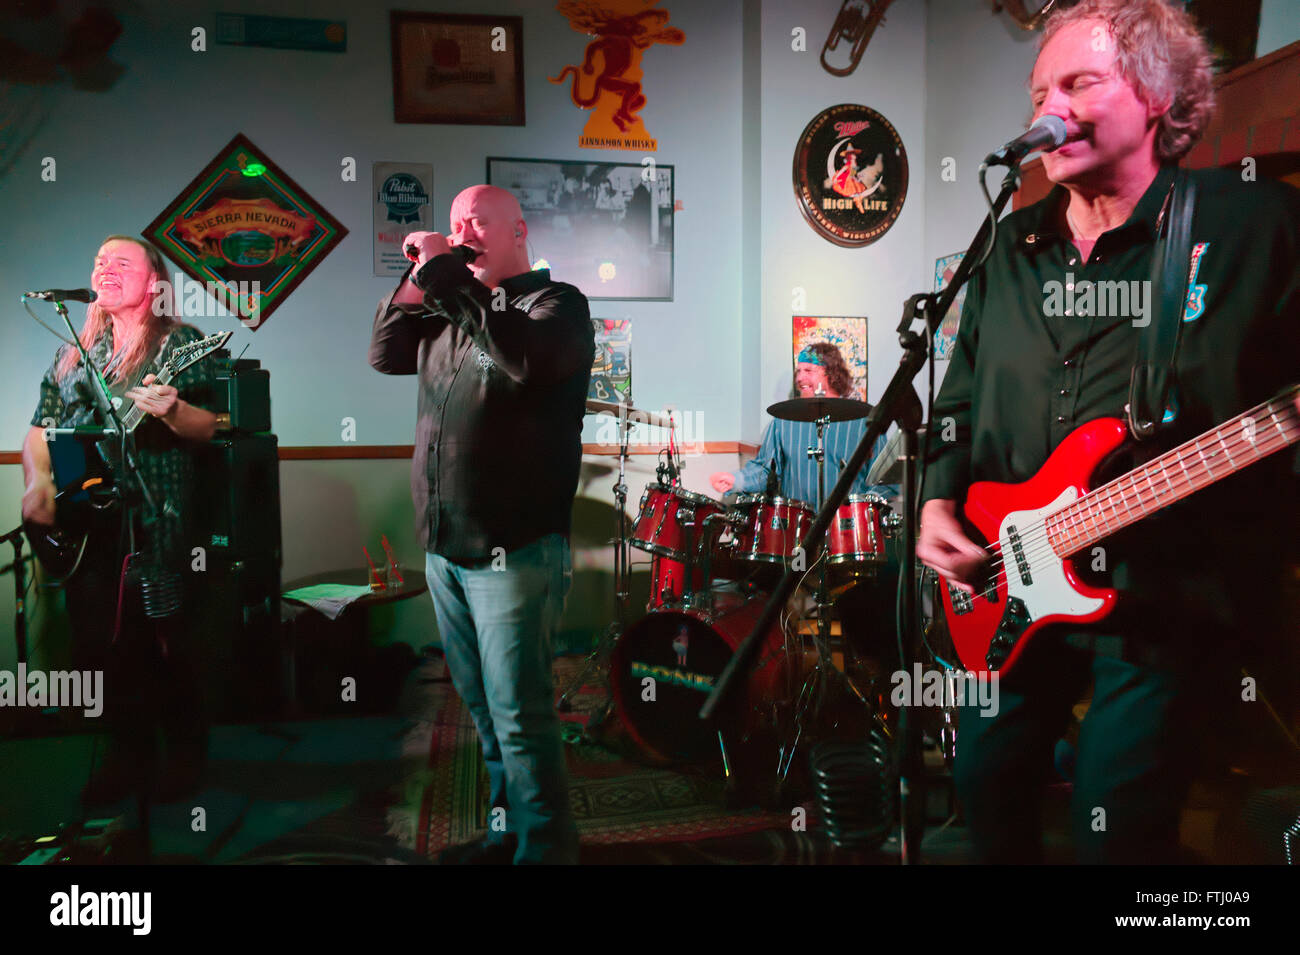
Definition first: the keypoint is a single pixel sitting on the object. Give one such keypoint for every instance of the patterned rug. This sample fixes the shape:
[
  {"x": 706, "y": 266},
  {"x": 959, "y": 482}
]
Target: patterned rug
[{"x": 616, "y": 797}]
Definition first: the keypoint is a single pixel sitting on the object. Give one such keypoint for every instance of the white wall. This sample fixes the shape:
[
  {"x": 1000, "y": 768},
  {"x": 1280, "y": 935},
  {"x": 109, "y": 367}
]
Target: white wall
[
  {"x": 874, "y": 280},
  {"x": 1279, "y": 25}
]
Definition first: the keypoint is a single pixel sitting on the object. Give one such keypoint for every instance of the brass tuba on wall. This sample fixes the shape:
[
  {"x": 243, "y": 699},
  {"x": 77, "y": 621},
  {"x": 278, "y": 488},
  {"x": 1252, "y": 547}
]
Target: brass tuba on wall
[
  {"x": 854, "y": 26},
  {"x": 1018, "y": 11}
]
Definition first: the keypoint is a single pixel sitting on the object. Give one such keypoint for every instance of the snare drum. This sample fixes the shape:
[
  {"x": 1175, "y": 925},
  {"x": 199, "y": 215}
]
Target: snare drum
[
  {"x": 856, "y": 540},
  {"x": 771, "y": 529},
  {"x": 659, "y": 530}
]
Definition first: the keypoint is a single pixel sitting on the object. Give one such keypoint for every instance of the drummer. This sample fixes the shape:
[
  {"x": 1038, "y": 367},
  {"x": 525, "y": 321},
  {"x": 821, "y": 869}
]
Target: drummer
[{"x": 820, "y": 370}]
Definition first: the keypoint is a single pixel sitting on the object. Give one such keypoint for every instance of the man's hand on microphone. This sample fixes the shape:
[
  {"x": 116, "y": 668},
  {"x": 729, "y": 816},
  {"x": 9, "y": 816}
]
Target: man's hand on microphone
[{"x": 427, "y": 245}]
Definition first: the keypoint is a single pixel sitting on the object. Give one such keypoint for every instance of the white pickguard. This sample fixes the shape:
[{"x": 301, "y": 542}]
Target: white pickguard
[{"x": 1050, "y": 593}]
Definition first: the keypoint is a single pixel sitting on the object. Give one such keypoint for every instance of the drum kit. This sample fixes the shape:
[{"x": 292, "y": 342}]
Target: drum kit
[{"x": 709, "y": 563}]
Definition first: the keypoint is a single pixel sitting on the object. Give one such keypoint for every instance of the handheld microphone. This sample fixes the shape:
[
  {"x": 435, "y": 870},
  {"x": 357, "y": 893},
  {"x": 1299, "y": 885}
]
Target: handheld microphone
[
  {"x": 1046, "y": 134},
  {"x": 64, "y": 295},
  {"x": 462, "y": 252}
]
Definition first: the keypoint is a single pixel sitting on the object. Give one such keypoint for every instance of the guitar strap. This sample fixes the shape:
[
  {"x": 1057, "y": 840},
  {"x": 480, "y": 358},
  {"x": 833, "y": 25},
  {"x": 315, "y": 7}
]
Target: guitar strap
[{"x": 1152, "y": 379}]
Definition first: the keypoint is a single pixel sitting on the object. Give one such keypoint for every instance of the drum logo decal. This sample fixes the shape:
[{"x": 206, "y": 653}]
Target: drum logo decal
[
  {"x": 850, "y": 174},
  {"x": 680, "y": 645},
  {"x": 692, "y": 681}
]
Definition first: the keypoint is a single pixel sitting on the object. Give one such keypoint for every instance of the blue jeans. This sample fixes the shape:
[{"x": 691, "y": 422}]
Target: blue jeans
[{"x": 496, "y": 625}]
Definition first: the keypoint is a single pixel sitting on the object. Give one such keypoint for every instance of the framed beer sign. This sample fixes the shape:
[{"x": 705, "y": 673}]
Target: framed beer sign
[
  {"x": 246, "y": 231},
  {"x": 850, "y": 175}
]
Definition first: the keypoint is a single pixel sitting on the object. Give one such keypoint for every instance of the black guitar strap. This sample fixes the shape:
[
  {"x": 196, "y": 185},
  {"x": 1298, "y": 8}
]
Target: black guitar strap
[{"x": 1153, "y": 377}]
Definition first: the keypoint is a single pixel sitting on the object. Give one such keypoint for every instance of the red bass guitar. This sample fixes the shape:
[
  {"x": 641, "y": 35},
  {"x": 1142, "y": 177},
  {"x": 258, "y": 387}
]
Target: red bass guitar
[{"x": 1037, "y": 526}]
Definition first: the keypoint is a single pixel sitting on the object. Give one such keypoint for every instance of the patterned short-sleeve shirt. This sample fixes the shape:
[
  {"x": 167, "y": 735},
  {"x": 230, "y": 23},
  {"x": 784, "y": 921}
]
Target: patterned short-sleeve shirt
[{"x": 165, "y": 459}]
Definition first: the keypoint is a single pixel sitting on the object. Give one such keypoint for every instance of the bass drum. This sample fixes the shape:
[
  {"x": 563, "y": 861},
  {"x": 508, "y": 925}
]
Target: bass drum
[{"x": 683, "y": 652}]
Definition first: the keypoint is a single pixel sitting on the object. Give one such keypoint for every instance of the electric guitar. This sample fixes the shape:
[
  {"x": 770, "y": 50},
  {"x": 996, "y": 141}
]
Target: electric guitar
[
  {"x": 80, "y": 479},
  {"x": 1037, "y": 526}
]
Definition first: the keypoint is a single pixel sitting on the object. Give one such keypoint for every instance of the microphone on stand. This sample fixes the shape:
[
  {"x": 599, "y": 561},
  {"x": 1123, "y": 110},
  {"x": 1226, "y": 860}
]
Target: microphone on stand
[
  {"x": 1046, "y": 134},
  {"x": 64, "y": 295}
]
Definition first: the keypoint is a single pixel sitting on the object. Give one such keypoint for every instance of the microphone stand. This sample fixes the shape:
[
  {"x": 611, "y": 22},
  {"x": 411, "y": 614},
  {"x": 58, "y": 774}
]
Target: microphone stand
[
  {"x": 899, "y": 403},
  {"x": 113, "y": 428},
  {"x": 15, "y": 537}
]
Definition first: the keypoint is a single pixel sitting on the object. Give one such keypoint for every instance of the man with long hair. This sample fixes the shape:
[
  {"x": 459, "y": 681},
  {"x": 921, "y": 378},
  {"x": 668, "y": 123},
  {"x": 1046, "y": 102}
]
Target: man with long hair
[
  {"x": 820, "y": 370},
  {"x": 1131, "y": 81},
  {"x": 129, "y": 333}
]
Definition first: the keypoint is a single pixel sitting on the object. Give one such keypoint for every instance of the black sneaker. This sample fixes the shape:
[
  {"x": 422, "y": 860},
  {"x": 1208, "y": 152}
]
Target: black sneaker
[{"x": 482, "y": 852}]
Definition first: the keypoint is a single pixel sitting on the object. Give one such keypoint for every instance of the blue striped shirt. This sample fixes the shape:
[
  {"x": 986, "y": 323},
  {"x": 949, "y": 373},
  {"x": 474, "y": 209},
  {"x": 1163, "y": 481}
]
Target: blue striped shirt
[{"x": 788, "y": 442}]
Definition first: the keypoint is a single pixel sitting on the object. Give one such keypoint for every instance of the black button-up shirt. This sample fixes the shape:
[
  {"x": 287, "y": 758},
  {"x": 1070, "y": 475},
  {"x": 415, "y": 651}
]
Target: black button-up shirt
[
  {"x": 1030, "y": 366},
  {"x": 498, "y": 441}
]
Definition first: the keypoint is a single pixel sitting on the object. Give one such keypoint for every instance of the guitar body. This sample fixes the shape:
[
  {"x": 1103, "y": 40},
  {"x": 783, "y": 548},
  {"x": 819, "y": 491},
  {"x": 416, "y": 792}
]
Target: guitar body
[
  {"x": 1034, "y": 587},
  {"x": 55, "y": 548},
  {"x": 85, "y": 478}
]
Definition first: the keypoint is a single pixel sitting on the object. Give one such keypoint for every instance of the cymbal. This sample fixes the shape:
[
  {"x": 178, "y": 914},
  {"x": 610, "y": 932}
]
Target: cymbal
[
  {"x": 634, "y": 416},
  {"x": 810, "y": 409}
]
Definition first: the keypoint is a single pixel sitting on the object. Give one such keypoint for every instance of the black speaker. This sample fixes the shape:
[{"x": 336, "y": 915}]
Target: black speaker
[
  {"x": 243, "y": 389},
  {"x": 243, "y": 668},
  {"x": 237, "y": 504}
]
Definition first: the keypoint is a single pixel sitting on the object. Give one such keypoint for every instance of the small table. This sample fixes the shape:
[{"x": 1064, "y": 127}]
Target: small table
[
  {"x": 413, "y": 586},
  {"x": 297, "y": 617}
]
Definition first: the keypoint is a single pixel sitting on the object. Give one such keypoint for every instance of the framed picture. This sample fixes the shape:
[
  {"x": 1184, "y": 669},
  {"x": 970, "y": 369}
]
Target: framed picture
[
  {"x": 945, "y": 340},
  {"x": 605, "y": 227},
  {"x": 246, "y": 231},
  {"x": 837, "y": 344},
  {"x": 611, "y": 370},
  {"x": 457, "y": 68}
]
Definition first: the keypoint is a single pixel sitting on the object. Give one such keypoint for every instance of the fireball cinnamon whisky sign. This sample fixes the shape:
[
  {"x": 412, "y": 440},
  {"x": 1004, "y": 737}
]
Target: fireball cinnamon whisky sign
[{"x": 609, "y": 80}]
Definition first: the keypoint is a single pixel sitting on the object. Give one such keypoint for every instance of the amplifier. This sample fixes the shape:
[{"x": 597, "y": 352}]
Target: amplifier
[
  {"x": 243, "y": 390},
  {"x": 237, "y": 497}
]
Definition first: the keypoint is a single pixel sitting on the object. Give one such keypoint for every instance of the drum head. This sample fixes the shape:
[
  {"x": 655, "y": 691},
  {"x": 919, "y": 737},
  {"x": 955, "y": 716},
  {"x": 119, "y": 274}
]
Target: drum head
[{"x": 665, "y": 666}]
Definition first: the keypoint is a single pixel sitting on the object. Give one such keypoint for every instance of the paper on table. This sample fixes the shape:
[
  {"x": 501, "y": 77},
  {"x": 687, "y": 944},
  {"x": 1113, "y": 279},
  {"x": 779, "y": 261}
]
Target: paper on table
[{"x": 329, "y": 599}]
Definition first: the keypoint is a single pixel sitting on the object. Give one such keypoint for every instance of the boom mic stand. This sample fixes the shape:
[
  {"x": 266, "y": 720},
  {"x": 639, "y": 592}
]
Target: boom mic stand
[{"x": 899, "y": 403}]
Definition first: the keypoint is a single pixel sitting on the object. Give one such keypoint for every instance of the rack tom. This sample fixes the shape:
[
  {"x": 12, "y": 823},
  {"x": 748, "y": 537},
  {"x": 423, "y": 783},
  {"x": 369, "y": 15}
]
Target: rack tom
[
  {"x": 660, "y": 526},
  {"x": 769, "y": 529}
]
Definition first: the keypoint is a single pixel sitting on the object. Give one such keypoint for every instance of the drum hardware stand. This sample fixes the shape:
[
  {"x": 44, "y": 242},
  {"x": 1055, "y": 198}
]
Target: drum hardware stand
[
  {"x": 597, "y": 661},
  {"x": 825, "y": 679},
  {"x": 900, "y": 403}
]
